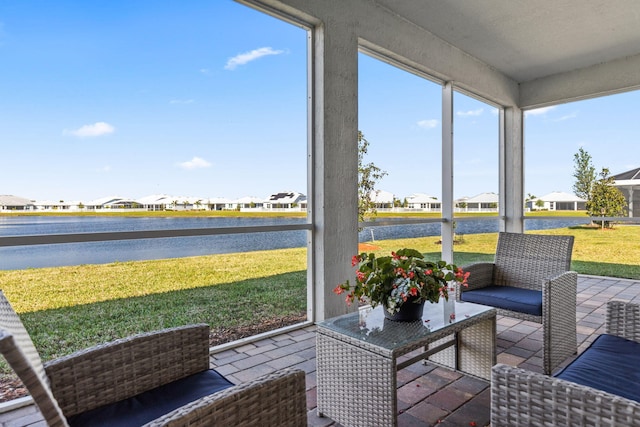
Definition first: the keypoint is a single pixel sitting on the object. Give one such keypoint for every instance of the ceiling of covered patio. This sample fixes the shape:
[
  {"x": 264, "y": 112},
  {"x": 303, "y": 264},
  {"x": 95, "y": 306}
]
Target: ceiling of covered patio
[{"x": 538, "y": 43}]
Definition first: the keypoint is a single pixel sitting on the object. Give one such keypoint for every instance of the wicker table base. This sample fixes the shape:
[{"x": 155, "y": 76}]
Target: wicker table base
[{"x": 357, "y": 357}]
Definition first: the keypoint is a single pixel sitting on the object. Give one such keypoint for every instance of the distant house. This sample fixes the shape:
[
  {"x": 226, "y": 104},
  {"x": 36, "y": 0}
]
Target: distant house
[
  {"x": 382, "y": 199},
  {"x": 219, "y": 204},
  {"x": 15, "y": 203},
  {"x": 103, "y": 203},
  {"x": 421, "y": 201},
  {"x": 248, "y": 202},
  {"x": 286, "y": 200},
  {"x": 629, "y": 183},
  {"x": 484, "y": 202},
  {"x": 557, "y": 201},
  {"x": 155, "y": 202},
  {"x": 61, "y": 205}
]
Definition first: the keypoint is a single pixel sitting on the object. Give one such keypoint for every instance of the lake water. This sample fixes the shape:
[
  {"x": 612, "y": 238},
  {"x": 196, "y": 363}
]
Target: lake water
[{"x": 21, "y": 257}]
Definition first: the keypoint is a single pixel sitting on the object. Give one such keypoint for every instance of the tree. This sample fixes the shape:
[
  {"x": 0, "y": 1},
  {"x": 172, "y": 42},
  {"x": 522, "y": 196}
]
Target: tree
[
  {"x": 584, "y": 173},
  {"x": 368, "y": 176},
  {"x": 605, "y": 199}
]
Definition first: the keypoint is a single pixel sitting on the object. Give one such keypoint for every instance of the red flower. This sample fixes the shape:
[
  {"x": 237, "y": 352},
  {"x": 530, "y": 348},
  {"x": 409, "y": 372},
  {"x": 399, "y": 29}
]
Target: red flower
[
  {"x": 413, "y": 292},
  {"x": 349, "y": 299},
  {"x": 355, "y": 260},
  {"x": 338, "y": 290}
]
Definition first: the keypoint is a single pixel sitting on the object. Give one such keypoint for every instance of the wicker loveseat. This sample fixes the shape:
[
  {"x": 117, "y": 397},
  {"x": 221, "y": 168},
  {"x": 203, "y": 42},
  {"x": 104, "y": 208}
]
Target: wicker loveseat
[
  {"x": 159, "y": 378},
  {"x": 530, "y": 280},
  {"x": 599, "y": 388}
]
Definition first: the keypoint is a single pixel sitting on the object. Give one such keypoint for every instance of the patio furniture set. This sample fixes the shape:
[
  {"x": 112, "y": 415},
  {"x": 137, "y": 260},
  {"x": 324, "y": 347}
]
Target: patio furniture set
[
  {"x": 164, "y": 377},
  {"x": 154, "y": 379}
]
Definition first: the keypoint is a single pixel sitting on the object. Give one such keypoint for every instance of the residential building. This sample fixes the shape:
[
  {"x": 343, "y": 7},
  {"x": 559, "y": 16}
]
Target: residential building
[
  {"x": 629, "y": 183},
  {"x": 557, "y": 201},
  {"x": 484, "y": 202},
  {"x": 423, "y": 202},
  {"x": 15, "y": 203}
]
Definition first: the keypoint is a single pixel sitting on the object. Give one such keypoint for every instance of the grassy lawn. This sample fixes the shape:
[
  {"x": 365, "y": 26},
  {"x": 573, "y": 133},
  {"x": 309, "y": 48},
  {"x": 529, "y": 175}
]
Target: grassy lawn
[{"x": 68, "y": 308}]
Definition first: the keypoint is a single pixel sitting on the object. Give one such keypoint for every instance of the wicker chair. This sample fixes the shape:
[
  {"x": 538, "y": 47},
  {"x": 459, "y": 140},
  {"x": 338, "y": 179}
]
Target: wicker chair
[
  {"x": 534, "y": 268},
  {"x": 520, "y": 397},
  {"x": 143, "y": 372}
]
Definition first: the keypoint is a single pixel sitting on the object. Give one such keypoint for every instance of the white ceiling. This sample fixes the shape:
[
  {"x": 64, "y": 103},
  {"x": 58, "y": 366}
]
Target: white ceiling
[{"x": 530, "y": 39}]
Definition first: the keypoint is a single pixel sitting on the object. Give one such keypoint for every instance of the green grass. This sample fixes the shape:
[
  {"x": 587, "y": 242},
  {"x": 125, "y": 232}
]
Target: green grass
[
  {"x": 68, "y": 308},
  {"x": 612, "y": 252}
]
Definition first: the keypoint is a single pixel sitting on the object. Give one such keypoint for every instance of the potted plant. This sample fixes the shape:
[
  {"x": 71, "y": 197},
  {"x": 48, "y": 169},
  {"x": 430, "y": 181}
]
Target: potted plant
[{"x": 400, "y": 282}]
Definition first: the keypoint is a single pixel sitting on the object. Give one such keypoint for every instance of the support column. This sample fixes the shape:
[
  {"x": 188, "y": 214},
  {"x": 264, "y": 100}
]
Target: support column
[
  {"x": 630, "y": 202},
  {"x": 334, "y": 166},
  {"x": 511, "y": 170},
  {"x": 447, "y": 172}
]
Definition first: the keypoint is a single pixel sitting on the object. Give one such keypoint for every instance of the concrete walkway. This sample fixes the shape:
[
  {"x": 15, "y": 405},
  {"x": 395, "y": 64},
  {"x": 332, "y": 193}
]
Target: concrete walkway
[{"x": 444, "y": 397}]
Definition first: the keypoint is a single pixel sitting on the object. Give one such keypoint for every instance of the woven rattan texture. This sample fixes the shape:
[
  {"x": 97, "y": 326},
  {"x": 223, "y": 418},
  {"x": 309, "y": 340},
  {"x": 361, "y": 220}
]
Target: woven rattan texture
[
  {"x": 114, "y": 371},
  {"x": 124, "y": 368},
  {"x": 520, "y": 397},
  {"x": 542, "y": 263},
  {"x": 273, "y": 400},
  {"x": 356, "y": 387},
  {"x": 18, "y": 349},
  {"x": 357, "y": 380},
  {"x": 523, "y": 259}
]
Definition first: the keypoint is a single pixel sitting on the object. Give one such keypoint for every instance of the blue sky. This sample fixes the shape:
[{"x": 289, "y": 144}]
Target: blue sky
[{"x": 208, "y": 99}]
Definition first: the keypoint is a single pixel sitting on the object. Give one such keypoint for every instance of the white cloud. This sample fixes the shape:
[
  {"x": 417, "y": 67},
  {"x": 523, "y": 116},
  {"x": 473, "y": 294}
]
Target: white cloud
[
  {"x": 181, "y": 101},
  {"x": 205, "y": 71},
  {"x": 428, "y": 124},
  {"x": 244, "y": 58},
  {"x": 539, "y": 111},
  {"x": 195, "y": 163},
  {"x": 470, "y": 113},
  {"x": 567, "y": 117},
  {"x": 96, "y": 129}
]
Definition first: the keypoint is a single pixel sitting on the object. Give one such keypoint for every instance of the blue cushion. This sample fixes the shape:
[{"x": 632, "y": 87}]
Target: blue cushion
[
  {"x": 507, "y": 297},
  {"x": 152, "y": 404},
  {"x": 610, "y": 364}
]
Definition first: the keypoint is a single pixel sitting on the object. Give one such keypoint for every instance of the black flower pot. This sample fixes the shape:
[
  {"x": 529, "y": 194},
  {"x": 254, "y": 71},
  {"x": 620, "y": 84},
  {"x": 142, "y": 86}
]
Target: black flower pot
[{"x": 409, "y": 312}]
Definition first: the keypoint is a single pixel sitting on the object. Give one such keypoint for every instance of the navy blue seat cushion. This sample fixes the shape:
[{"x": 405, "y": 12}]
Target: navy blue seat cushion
[
  {"x": 152, "y": 404},
  {"x": 609, "y": 364},
  {"x": 507, "y": 297}
]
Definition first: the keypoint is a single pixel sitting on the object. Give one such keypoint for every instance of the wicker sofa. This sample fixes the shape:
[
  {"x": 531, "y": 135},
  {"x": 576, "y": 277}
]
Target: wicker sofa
[
  {"x": 599, "y": 388},
  {"x": 159, "y": 378},
  {"x": 530, "y": 280}
]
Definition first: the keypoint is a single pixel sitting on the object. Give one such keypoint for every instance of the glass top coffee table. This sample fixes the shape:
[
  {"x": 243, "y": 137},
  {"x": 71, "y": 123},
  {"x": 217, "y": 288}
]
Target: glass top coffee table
[{"x": 357, "y": 356}]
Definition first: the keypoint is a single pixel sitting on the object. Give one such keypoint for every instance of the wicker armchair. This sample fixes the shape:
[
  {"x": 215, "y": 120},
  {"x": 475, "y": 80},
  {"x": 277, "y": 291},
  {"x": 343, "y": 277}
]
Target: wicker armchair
[
  {"x": 139, "y": 374},
  {"x": 520, "y": 397},
  {"x": 534, "y": 268}
]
